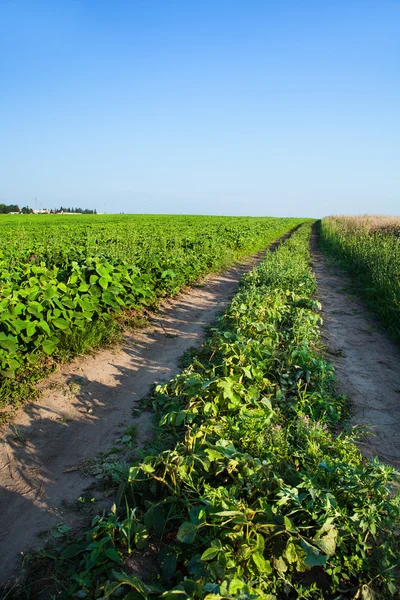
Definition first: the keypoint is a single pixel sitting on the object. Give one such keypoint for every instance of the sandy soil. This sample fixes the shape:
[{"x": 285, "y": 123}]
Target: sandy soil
[
  {"x": 366, "y": 360},
  {"x": 84, "y": 408}
]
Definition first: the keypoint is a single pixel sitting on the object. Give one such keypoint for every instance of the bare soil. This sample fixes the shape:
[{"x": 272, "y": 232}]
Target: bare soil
[
  {"x": 366, "y": 360},
  {"x": 83, "y": 409}
]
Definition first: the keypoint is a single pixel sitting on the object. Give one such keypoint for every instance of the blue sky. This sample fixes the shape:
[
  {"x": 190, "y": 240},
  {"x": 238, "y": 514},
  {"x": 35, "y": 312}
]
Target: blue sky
[{"x": 204, "y": 106}]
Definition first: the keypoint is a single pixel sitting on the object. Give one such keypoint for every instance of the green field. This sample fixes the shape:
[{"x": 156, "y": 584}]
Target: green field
[
  {"x": 65, "y": 280},
  {"x": 249, "y": 491}
]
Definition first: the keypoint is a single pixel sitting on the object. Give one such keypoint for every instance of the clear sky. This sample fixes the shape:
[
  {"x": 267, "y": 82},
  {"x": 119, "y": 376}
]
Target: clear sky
[{"x": 246, "y": 107}]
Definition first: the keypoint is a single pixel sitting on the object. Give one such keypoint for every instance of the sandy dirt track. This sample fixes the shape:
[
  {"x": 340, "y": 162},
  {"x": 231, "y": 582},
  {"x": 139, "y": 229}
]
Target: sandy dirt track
[
  {"x": 366, "y": 360},
  {"x": 84, "y": 408}
]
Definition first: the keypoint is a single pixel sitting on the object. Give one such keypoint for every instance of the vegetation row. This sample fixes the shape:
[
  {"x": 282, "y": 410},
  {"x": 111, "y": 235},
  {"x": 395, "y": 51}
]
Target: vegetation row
[
  {"x": 63, "y": 284},
  {"x": 369, "y": 248},
  {"x": 250, "y": 489}
]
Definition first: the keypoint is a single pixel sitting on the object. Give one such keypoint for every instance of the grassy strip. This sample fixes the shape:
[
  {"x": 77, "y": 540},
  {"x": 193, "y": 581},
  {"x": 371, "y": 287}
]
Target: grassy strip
[
  {"x": 50, "y": 313},
  {"x": 370, "y": 251},
  {"x": 249, "y": 492}
]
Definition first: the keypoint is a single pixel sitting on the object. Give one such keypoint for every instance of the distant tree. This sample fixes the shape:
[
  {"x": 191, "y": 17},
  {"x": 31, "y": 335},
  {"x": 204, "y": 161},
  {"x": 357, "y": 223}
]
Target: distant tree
[
  {"x": 76, "y": 210},
  {"x": 5, "y": 209}
]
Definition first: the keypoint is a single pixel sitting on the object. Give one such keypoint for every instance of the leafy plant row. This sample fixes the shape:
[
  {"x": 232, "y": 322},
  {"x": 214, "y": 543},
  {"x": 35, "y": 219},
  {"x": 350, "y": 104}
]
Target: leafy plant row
[
  {"x": 53, "y": 297},
  {"x": 138, "y": 239},
  {"x": 249, "y": 491},
  {"x": 370, "y": 252}
]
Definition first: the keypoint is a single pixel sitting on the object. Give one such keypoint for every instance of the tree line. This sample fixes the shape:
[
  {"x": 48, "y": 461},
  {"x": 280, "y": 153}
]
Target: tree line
[
  {"x": 83, "y": 211},
  {"x": 6, "y": 209}
]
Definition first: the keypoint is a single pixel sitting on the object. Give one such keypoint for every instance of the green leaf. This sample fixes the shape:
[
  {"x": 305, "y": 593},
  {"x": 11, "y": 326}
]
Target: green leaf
[
  {"x": 104, "y": 282},
  {"x": 192, "y": 588},
  {"x": 313, "y": 557},
  {"x": 48, "y": 346},
  {"x": 208, "y": 409},
  {"x": 17, "y": 309},
  {"x": 229, "y": 513},
  {"x": 74, "y": 549},
  {"x": 50, "y": 292},
  {"x": 60, "y": 323},
  {"x": 289, "y": 526},
  {"x": 85, "y": 304},
  {"x": 168, "y": 273},
  {"x": 210, "y": 553},
  {"x": 186, "y": 533},
  {"x": 327, "y": 543},
  {"x": 30, "y": 328},
  {"x": 260, "y": 545},
  {"x": 8, "y": 343},
  {"x": 168, "y": 567},
  {"x": 60, "y": 531},
  {"x": 146, "y": 468},
  {"x": 294, "y": 553},
  {"x": 134, "y": 582},
  {"x": 44, "y": 326},
  {"x": 213, "y": 455},
  {"x": 35, "y": 309},
  {"x": 109, "y": 299},
  {"x": 235, "y": 585},
  {"x": 174, "y": 595},
  {"x": 18, "y": 325},
  {"x": 281, "y": 564},
  {"x": 226, "y": 386},
  {"x": 154, "y": 520},
  {"x": 141, "y": 537},
  {"x": 104, "y": 271},
  {"x": 133, "y": 473},
  {"x": 263, "y": 566},
  {"x": 197, "y": 515},
  {"x": 112, "y": 554}
]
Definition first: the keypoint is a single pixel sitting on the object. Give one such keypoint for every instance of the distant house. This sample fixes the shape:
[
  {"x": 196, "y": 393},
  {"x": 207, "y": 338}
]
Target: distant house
[{"x": 41, "y": 211}]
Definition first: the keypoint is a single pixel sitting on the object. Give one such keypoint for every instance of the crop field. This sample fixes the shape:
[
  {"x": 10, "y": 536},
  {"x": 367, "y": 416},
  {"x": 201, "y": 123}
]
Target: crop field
[
  {"x": 369, "y": 248},
  {"x": 250, "y": 489},
  {"x": 64, "y": 280},
  {"x": 251, "y": 485}
]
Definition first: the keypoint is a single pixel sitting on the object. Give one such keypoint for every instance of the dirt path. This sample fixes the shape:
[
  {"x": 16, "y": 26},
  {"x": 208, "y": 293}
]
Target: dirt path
[
  {"x": 83, "y": 409},
  {"x": 366, "y": 360}
]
